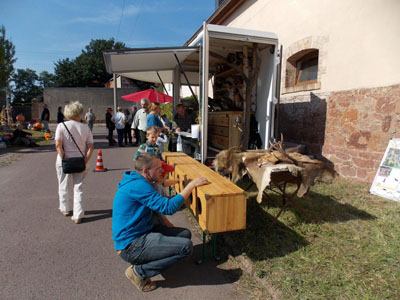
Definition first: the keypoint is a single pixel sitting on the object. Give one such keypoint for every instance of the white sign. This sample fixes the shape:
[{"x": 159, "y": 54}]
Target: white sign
[{"x": 387, "y": 179}]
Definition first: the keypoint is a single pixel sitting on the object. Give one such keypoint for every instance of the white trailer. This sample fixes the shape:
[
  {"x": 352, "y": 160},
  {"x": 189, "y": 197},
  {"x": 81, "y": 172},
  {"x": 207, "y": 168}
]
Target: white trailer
[{"x": 199, "y": 63}]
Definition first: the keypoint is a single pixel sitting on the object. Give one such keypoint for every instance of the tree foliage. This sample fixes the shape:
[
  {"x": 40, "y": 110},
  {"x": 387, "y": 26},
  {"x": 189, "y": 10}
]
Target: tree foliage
[
  {"x": 46, "y": 79},
  {"x": 25, "y": 86},
  {"x": 88, "y": 68},
  {"x": 66, "y": 74},
  {"x": 7, "y": 60}
]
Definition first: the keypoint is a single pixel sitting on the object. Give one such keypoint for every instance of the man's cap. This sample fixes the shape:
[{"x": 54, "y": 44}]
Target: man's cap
[
  {"x": 109, "y": 109},
  {"x": 166, "y": 168}
]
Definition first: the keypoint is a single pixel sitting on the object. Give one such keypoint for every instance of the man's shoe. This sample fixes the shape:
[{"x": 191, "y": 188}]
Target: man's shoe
[
  {"x": 143, "y": 285},
  {"x": 76, "y": 221}
]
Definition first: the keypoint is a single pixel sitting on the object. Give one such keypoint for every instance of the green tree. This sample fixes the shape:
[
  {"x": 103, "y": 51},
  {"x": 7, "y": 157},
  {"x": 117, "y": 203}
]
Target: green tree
[
  {"x": 25, "y": 86},
  {"x": 7, "y": 60},
  {"x": 46, "y": 79},
  {"x": 88, "y": 68},
  {"x": 66, "y": 74}
]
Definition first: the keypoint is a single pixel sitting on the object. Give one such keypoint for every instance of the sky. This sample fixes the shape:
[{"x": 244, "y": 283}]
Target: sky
[{"x": 45, "y": 31}]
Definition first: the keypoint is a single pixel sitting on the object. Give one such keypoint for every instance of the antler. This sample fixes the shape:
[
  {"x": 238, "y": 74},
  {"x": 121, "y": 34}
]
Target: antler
[{"x": 278, "y": 146}]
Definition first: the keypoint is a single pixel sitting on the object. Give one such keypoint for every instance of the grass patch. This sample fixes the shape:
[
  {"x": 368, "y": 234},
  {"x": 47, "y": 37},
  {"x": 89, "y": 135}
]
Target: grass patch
[
  {"x": 38, "y": 136},
  {"x": 351, "y": 252},
  {"x": 11, "y": 153}
]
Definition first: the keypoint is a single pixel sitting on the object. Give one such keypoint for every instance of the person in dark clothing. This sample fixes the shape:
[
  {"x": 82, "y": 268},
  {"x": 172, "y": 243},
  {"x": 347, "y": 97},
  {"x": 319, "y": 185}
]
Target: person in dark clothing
[
  {"x": 60, "y": 115},
  {"x": 22, "y": 138},
  {"x": 183, "y": 118},
  {"x": 184, "y": 121},
  {"x": 110, "y": 126},
  {"x": 127, "y": 129},
  {"x": 45, "y": 118}
]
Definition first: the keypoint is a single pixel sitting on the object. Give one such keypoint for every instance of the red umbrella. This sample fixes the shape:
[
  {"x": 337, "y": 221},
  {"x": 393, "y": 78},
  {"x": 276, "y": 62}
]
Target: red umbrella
[{"x": 149, "y": 94}]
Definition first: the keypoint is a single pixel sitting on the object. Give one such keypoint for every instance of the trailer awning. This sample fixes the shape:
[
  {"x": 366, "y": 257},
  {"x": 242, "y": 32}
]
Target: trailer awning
[{"x": 144, "y": 63}]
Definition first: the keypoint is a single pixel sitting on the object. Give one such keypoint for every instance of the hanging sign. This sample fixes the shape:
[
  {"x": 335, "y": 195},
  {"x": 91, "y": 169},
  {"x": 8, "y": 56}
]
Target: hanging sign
[{"x": 387, "y": 179}]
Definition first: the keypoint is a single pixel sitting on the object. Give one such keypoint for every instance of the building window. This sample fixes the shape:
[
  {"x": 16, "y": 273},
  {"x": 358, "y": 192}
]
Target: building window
[
  {"x": 302, "y": 71},
  {"x": 307, "y": 69}
]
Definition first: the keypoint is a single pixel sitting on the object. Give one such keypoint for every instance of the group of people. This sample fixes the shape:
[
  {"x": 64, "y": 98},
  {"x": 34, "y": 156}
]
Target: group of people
[
  {"x": 121, "y": 121},
  {"x": 142, "y": 235}
]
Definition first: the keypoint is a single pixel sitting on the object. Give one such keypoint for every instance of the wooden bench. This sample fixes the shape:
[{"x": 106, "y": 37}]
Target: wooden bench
[
  {"x": 219, "y": 206},
  {"x": 175, "y": 159}
]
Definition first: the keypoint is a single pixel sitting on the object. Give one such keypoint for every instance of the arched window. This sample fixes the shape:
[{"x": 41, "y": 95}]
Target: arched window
[
  {"x": 302, "y": 70},
  {"x": 307, "y": 68}
]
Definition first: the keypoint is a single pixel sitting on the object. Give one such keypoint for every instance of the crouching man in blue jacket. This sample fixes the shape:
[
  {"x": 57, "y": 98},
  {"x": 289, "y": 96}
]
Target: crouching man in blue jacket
[{"x": 149, "y": 248}]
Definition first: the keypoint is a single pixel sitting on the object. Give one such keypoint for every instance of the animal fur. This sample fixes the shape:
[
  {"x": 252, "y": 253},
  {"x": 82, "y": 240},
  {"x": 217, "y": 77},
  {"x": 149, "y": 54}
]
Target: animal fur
[{"x": 275, "y": 167}]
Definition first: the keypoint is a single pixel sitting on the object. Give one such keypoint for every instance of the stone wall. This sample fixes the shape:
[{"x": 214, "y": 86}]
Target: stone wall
[
  {"x": 97, "y": 98},
  {"x": 350, "y": 129}
]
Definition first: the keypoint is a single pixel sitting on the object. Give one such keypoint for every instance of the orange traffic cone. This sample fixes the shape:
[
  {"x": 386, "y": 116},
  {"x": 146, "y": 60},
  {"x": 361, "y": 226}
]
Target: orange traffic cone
[{"x": 99, "y": 164}]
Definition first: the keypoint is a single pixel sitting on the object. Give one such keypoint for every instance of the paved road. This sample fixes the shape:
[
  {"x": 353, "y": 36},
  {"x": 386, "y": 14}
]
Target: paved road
[{"x": 44, "y": 255}]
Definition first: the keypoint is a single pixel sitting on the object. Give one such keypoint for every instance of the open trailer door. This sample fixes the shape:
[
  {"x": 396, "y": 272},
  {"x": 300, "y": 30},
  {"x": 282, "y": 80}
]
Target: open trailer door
[{"x": 236, "y": 53}]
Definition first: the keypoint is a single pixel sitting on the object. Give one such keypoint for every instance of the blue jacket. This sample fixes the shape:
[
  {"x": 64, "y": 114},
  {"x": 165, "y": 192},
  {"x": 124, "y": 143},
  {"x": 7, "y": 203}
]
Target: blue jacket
[
  {"x": 132, "y": 208},
  {"x": 153, "y": 121}
]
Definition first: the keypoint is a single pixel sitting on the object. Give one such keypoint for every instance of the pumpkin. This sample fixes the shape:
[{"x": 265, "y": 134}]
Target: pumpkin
[
  {"x": 47, "y": 135},
  {"x": 38, "y": 125},
  {"x": 20, "y": 118}
]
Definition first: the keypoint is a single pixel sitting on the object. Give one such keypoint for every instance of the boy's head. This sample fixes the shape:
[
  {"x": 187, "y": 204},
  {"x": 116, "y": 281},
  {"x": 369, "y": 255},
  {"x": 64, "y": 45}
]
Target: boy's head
[
  {"x": 152, "y": 134},
  {"x": 19, "y": 126}
]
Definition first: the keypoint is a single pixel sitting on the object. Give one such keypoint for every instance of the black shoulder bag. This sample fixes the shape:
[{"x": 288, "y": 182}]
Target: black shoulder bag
[{"x": 73, "y": 164}]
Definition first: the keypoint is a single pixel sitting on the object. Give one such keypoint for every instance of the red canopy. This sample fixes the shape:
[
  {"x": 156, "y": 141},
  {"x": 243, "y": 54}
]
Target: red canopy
[{"x": 149, "y": 94}]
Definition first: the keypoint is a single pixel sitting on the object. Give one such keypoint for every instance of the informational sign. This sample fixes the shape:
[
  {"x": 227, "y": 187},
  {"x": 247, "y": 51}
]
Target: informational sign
[{"x": 387, "y": 179}]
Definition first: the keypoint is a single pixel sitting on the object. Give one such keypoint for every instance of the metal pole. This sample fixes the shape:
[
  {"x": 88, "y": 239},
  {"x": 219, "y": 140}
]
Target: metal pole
[
  {"x": 156, "y": 93},
  {"x": 204, "y": 93},
  {"x": 162, "y": 83},
  {"x": 184, "y": 74},
  {"x": 115, "y": 92},
  {"x": 278, "y": 95}
]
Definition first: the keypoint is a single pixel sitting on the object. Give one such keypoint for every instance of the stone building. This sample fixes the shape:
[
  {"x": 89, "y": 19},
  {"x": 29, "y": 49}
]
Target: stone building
[{"x": 340, "y": 74}]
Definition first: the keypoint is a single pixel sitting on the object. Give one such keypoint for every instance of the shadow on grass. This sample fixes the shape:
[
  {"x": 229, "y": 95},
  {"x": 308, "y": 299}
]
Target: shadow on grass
[
  {"x": 318, "y": 208},
  {"x": 188, "y": 273},
  {"x": 255, "y": 243},
  {"x": 313, "y": 206}
]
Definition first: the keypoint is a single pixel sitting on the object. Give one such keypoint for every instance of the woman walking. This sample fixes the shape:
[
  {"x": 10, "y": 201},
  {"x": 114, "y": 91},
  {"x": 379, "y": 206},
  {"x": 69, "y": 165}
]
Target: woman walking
[{"x": 66, "y": 133}]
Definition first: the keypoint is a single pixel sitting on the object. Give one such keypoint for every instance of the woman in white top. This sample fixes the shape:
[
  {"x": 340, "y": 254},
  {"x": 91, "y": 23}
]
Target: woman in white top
[{"x": 66, "y": 148}]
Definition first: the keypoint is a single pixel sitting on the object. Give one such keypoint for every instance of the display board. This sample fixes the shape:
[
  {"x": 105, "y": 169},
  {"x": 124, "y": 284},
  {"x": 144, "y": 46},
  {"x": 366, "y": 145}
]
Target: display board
[{"x": 387, "y": 179}]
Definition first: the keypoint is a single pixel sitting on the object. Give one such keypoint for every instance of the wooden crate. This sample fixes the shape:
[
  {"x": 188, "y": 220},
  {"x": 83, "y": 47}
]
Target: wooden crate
[
  {"x": 219, "y": 206},
  {"x": 222, "y": 130}
]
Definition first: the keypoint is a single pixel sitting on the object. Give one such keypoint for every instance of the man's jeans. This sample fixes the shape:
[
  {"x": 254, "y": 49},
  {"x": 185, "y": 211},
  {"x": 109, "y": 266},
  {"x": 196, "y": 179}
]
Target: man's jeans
[
  {"x": 120, "y": 133},
  {"x": 155, "y": 251}
]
